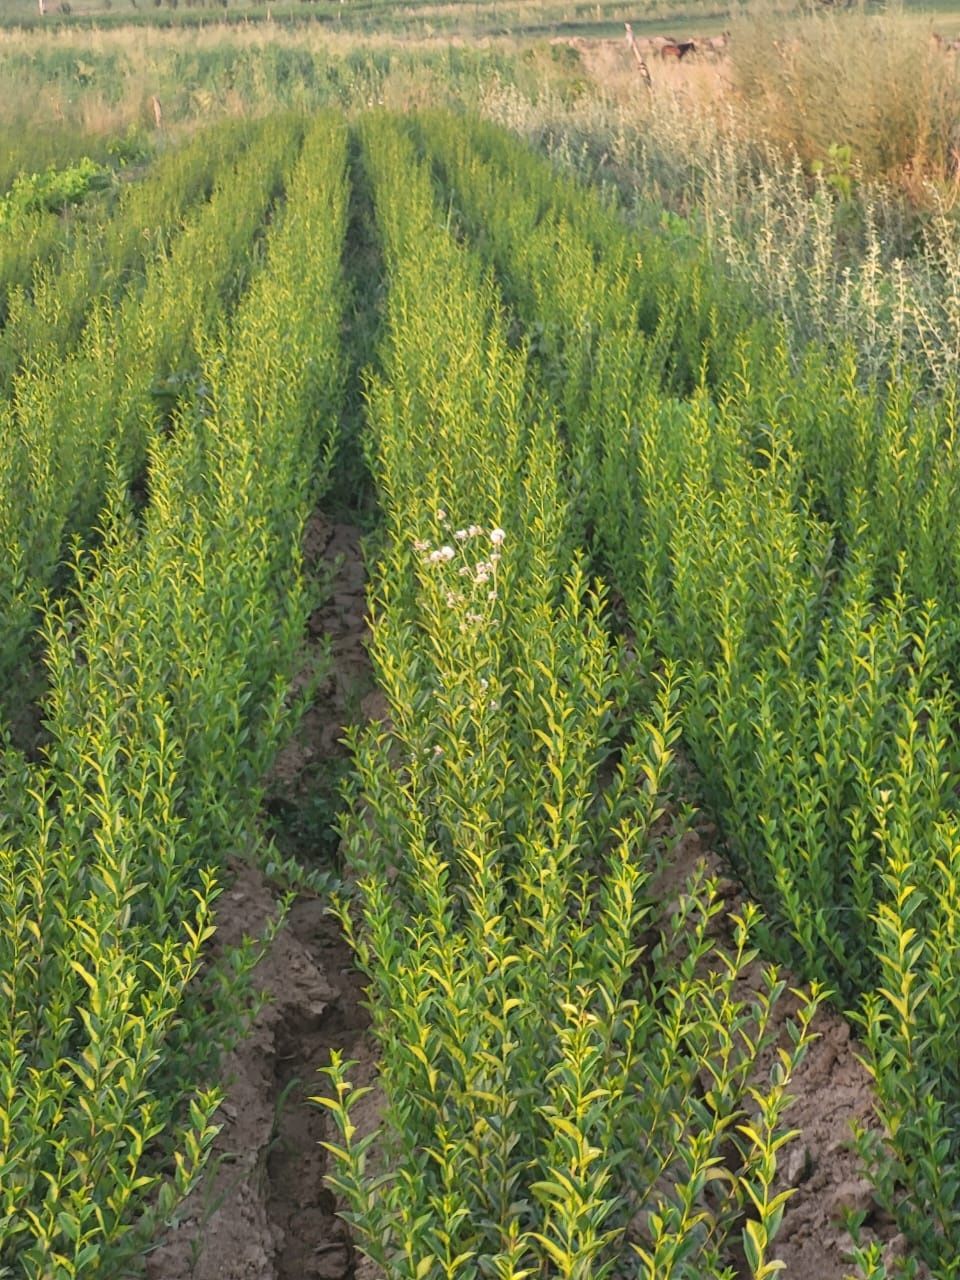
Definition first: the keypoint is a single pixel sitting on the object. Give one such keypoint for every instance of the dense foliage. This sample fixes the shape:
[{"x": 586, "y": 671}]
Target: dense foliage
[
  {"x": 621, "y": 516},
  {"x": 543, "y": 1068},
  {"x": 781, "y": 530},
  {"x": 168, "y": 664}
]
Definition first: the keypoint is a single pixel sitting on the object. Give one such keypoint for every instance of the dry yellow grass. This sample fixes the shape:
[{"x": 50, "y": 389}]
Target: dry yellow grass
[{"x": 873, "y": 83}]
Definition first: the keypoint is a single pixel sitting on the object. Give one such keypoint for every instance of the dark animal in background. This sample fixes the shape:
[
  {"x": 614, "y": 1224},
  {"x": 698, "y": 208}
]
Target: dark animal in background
[{"x": 678, "y": 50}]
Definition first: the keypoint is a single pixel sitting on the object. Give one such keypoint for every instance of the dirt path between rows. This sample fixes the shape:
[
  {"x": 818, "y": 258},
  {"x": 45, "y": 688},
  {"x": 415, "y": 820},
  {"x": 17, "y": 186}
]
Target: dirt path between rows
[{"x": 262, "y": 1211}]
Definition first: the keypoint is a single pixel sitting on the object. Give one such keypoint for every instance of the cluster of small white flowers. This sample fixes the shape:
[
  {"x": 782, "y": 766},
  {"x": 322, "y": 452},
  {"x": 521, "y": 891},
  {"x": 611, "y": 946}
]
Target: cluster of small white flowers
[
  {"x": 462, "y": 535},
  {"x": 485, "y": 570},
  {"x": 479, "y": 574},
  {"x": 440, "y": 555}
]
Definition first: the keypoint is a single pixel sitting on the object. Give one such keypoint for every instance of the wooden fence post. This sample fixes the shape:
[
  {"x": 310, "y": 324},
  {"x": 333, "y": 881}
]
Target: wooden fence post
[{"x": 644, "y": 69}]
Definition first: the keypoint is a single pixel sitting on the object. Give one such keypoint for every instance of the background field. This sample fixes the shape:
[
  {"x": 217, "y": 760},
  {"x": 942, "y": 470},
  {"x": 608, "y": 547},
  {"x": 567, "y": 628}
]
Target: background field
[{"x": 468, "y": 18}]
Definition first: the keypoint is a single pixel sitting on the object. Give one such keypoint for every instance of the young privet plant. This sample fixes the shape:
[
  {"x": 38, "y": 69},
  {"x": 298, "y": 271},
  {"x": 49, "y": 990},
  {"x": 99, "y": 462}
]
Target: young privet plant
[
  {"x": 778, "y": 542},
  {"x": 560, "y": 1101},
  {"x": 607, "y": 313},
  {"x": 46, "y": 316},
  {"x": 27, "y": 242},
  {"x": 168, "y": 670},
  {"x": 817, "y": 681},
  {"x": 587, "y": 300},
  {"x": 887, "y": 479},
  {"x": 799, "y": 684},
  {"x": 552, "y": 234},
  {"x": 809, "y": 691},
  {"x": 71, "y": 420},
  {"x": 879, "y": 462}
]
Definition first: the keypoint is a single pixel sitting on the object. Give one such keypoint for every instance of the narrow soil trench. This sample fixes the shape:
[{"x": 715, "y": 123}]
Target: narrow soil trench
[
  {"x": 311, "y": 1242},
  {"x": 261, "y": 1211}
]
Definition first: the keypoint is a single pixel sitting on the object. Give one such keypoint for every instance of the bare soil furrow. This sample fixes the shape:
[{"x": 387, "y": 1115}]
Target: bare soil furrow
[{"x": 262, "y": 1211}]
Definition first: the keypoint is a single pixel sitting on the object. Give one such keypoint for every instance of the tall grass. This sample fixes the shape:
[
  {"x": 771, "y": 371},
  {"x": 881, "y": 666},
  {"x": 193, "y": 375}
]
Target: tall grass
[
  {"x": 465, "y": 18},
  {"x": 871, "y": 88},
  {"x": 840, "y": 258},
  {"x": 104, "y": 81}
]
